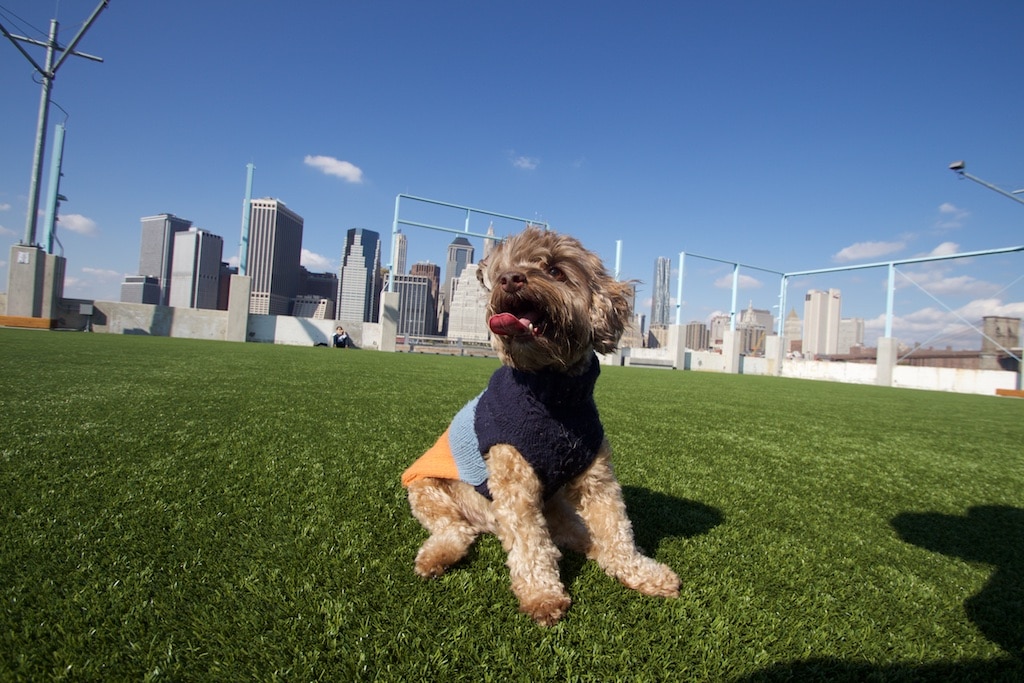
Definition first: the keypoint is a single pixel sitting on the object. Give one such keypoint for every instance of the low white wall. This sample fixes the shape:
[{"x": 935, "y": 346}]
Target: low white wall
[
  {"x": 286, "y": 329},
  {"x": 115, "y": 317},
  {"x": 953, "y": 379},
  {"x": 851, "y": 373}
]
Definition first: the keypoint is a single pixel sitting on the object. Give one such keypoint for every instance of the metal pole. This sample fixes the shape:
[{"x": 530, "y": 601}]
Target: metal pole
[
  {"x": 243, "y": 247},
  {"x": 394, "y": 245},
  {"x": 782, "y": 307},
  {"x": 618, "y": 258},
  {"x": 53, "y": 190},
  {"x": 735, "y": 292},
  {"x": 679, "y": 289},
  {"x": 889, "y": 300},
  {"x": 990, "y": 186},
  {"x": 37, "y": 155}
]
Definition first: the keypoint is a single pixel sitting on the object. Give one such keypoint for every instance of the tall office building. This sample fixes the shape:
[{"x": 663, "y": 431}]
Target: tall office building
[
  {"x": 275, "y": 249},
  {"x": 490, "y": 243},
  {"x": 417, "y": 312},
  {"x": 821, "y": 322},
  {"x": 155, "y": 256},
  {"x": 401, "y": 249},
  {"x": 791, "y": 332},
  {"x": 195, "y": 269},
  {"x": 467, "y": 317},
  {"x": 431, "y": 271},
  {"x": 661, "y": 301},
  {"x": 460, "y": 254},
  {"x": 697, "y": 336},
  {"x": 851, "y": 334},
  {"x": 359, "y": 282}
]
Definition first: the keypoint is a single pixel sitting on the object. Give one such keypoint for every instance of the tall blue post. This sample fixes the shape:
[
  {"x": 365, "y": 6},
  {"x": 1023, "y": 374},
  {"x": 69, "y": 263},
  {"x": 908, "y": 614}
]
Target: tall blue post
[
  {"x": 53, "y": 191},
  {"x": 243, "y": 248}
]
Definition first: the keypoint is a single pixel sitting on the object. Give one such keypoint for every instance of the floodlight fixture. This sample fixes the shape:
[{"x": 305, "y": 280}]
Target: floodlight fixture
[{"x": 959, "y": 167}]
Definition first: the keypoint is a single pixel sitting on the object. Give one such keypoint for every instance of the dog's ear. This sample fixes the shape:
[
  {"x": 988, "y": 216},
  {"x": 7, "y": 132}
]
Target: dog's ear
[
  {"x": 481, "y": 273},
  {"x": 611, "y": 313}
]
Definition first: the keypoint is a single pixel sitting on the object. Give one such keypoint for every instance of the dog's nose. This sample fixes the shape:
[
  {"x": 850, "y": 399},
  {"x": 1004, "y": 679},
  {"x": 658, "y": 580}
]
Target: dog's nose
[{"x": 512, "y": 281}]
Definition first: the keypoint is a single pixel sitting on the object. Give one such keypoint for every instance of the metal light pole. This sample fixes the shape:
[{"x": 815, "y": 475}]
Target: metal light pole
[
  {"x": 47, "y": 74},
  {"x": 958, "y": 168}
]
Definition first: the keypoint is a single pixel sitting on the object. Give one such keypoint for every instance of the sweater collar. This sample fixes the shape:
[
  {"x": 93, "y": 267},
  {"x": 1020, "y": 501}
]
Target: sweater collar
[{"x": 556, "y": 389}]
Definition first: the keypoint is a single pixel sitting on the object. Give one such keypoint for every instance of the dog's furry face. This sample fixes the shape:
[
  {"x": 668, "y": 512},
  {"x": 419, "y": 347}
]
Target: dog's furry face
[{"x": 551, "y": 302}]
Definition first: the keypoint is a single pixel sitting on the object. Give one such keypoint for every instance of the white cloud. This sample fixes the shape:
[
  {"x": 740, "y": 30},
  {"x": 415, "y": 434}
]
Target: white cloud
[
  {"x": 945, "y": 249},
  {"x": 933, "y": 326},
  {"x": 234, "y": 261},
  {"x": 866, "y": 250},
  {"x": 102, "y": 273},
  {"x": 78, "y": 223},
  {"x": 315, "y": 262},
  {"x": 5, "y": 207},
  {"x": 330, "y": 166},
  {"x": 524, "y": 162},
  {"x": 951, "y": 217},
  {"x": 7, "y": 232},
  {"x": 746, "y": 282}
]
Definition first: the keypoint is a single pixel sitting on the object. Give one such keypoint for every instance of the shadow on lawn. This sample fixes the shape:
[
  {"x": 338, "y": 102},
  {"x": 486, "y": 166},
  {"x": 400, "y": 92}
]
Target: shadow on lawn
[
  {"x": 837, "y": 670},
  {"x": 656, "y": 516},
  {"x": 990, "y": 534}
]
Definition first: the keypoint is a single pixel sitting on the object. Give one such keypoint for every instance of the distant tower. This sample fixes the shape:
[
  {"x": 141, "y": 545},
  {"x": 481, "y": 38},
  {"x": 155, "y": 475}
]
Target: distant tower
[
  {"x": 401, "y": 247},
  {"x": 157, "y": 251},
  {"x": 417, "y": 311},
  {"x": 432, "y": 272},
  {"x": 273, "y": 255},
  {"x": 195, "y": 269},
  {"x": 359, "y": 282},
  {"x": 821, "y": 322},
  {"x": 661, "y": 302},
  {"x": 467, "y": 318},
  {"x": 490, "y": 243},
  {"x": 791, "y": 331},
  {"x": 460, "y": 254}
]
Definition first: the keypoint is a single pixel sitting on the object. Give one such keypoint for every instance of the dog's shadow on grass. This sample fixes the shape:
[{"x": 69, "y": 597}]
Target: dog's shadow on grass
[
  {"x": 990, "y": 534},
  {"x": 655, "y": 517}
]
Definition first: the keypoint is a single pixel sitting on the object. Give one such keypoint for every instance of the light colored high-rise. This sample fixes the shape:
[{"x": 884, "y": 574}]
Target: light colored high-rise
[
  {"x": 661, "y": 301},
  {"x": 490, "y": 243},
  {"x": 791, "y": 331},
  {"x": 821, "y": 322},
  {"x": 359, "y": 282},
  {"x": 467, "y": 318},
  {"x": 195, "y": 269},
  {"x": 275, "y": 250},
  {"x": 851, "y": 334},
  {"x": 697, "y": 336},
  {"x": 460, "y": 254},
  {"x": 157, "y": 251},
  {"x": 401, "y": 249}
]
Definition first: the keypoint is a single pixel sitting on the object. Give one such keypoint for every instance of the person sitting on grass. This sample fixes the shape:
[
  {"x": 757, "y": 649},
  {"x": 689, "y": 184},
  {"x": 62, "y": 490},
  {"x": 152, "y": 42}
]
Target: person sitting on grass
[{"x": 341, "y": 339}]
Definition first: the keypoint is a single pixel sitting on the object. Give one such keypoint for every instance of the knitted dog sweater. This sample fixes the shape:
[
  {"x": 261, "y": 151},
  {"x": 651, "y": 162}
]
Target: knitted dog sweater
[{"x": 551, "y": 419}]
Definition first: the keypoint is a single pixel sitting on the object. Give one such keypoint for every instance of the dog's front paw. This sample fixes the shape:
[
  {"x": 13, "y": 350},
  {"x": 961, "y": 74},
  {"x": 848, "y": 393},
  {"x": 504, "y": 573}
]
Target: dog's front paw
[
  {"x": 546, "y": 610},
  {"x": 434, "y": 558},
  {"x": 652, "y": 578}
]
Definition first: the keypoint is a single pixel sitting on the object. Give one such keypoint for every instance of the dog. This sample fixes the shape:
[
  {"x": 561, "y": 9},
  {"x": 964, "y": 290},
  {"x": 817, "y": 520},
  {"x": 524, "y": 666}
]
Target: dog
[{"x": 527, "y": 459}]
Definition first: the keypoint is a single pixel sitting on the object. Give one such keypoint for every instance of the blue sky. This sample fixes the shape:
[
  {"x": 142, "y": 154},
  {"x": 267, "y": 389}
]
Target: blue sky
[{"x": 785, "y": 135}]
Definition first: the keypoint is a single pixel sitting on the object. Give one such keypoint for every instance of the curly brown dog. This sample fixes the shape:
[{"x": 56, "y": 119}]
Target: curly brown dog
[{"x": 527, "y": 460}]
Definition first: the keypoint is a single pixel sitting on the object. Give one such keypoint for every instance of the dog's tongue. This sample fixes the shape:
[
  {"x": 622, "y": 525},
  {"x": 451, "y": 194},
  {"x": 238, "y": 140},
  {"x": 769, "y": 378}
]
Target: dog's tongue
[{"x": 508, "y": 325}]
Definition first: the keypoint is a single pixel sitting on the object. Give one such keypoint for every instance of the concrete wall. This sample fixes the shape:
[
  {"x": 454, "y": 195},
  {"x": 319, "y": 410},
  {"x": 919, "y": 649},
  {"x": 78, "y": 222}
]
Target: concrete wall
[
  {"x": 115, "y": 317},
  {"x": 285, "y": 329},
  {"x": 953, "y": 379}
]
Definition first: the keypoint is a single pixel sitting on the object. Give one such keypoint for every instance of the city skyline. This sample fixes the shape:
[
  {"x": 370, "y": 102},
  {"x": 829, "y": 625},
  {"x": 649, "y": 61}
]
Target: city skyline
[{"x": 765, "y": 135}]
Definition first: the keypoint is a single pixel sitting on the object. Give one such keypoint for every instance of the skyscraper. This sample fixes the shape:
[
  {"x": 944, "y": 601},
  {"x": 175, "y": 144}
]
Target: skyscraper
[
  {"x": 157, "y": 251},
  {"x": 275, "y": 249},
  {"x": 460, "y": 254},
  {"x": 195, "y": 269},
  {"x": 661, "y": 301},
  {"x": 401, "y": 249},
  {"x": 359, "y": 281},
  {"x": 490, "y": 243},
  {"x": 416, "y": 308},
  {"x": 467, "y": 318},
  {"x": 821, "y": 322}
]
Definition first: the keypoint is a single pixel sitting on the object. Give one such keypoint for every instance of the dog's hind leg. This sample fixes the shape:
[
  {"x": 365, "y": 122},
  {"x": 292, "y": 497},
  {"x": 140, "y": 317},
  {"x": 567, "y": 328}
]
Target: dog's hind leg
[
  {"x": 598, "y": 498},
  {"x": 436, "y": 504},
  {"x": 521, "y": 527}
]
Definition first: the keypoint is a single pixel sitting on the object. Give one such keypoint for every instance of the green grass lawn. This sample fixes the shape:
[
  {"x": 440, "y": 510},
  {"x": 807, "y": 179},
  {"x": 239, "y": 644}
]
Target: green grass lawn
[{"x": 186, "y": 510}]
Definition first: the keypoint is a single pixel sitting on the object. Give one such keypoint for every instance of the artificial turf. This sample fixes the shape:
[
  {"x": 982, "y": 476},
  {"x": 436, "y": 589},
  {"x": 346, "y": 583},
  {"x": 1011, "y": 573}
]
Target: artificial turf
[{"x": 186, "y": 510}]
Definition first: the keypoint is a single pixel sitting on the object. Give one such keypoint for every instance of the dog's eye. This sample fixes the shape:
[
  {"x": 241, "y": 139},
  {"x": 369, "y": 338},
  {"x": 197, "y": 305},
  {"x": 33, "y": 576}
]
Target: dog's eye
[{"x": 556, "y": 273}]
